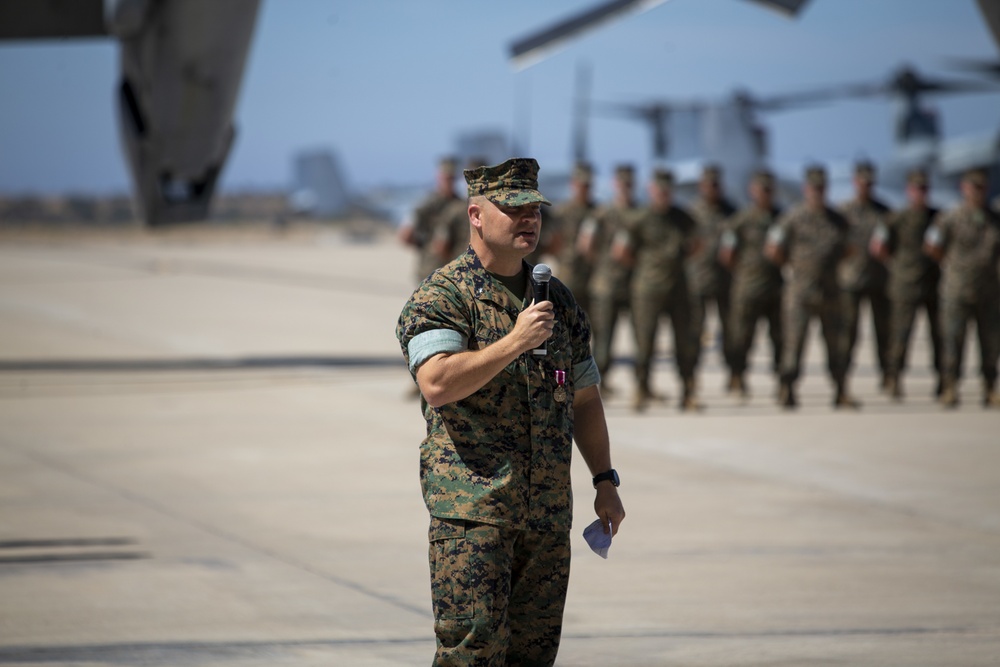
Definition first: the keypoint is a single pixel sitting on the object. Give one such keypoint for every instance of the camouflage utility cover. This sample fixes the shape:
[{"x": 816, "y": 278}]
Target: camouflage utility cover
[
  {"x": 511, "y": 183},
  {"x": 502, "y": 455}
]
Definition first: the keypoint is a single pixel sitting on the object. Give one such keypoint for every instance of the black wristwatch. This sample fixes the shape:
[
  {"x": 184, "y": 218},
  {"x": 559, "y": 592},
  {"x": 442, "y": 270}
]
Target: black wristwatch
[{"x": 611, "y": 476}]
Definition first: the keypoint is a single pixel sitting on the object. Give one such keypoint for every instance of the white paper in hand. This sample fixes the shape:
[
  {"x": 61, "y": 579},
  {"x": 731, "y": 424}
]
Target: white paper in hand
[{"x": 598, "y": 541}]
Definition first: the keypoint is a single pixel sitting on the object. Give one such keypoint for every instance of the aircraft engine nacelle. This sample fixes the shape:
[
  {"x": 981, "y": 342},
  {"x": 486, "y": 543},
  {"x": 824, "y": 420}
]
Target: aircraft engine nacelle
[{"x": 182, "y": 62}]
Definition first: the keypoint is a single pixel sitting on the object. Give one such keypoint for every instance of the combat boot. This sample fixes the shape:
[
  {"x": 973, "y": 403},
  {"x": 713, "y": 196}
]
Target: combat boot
[
  {"x": 991, "y": 398},
  {"x": 843, "y": 399},
  {"x": 893, "y": 387},
  {"x": 641, "y": 400},
  {"x": 939, "y": 389},
  {"x": 688, "y": 400},
  {"x": 739, "y": 386},
  {"x": 786, "y": 396},
  {"x": 949, "y": 394}
]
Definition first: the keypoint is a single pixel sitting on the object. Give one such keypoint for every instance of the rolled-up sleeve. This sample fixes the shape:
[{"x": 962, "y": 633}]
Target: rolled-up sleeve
[
  {"x": 585, "y": 374},
  {"x": 425, "y": 345}
]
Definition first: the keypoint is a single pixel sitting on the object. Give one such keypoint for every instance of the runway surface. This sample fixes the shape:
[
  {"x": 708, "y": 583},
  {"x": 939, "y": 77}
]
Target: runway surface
[{"x": 208, "y": 456}]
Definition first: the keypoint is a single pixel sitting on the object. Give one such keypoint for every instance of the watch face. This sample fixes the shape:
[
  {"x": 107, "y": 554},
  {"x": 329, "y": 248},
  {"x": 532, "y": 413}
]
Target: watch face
[{"x": 614, "y": 477}]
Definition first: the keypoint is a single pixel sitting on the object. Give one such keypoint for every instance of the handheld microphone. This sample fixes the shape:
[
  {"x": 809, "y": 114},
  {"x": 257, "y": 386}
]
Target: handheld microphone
[{"x": 540, "y": 276}]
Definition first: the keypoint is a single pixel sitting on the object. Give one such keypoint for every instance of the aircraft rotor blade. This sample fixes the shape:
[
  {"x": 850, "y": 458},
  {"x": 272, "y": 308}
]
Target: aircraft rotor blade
[
  {"x": 790, "y": 8},
  {"x": 907, "y": 81},
  {"x": 530, "y": 49},
  {"x": 990, "y": 68},
  {"x": 48, "y": 20}
]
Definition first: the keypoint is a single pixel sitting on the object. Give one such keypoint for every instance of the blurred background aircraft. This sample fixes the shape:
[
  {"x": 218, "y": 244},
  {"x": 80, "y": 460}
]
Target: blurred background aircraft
[
  {"x": 386, "y": 88},
  {"x": 728, "y": 132}
]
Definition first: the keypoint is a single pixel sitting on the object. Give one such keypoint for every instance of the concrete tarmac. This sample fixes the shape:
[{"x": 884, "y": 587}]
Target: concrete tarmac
[{"x": 208, "y": 456}]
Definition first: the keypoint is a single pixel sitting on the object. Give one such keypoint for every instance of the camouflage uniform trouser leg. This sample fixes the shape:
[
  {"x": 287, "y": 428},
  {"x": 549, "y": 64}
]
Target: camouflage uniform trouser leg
[
  {"x": 796, "y": 312},
  {"x": 745, "y": 312},
  {"x": 647, "y": 308},
  {"x": 880, "y": 307},
  {"x": 954, "y": 317},
  {"x": 498, "y": 593},
  {"x": 699, "y": 313},
  {"x": 605, "y": 310},
  {"x": 904, "y": 313}
]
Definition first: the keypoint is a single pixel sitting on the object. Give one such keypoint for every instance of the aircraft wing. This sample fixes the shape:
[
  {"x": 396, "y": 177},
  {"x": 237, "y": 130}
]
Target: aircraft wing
[
  {"x": 534, "y": 47},
  {"x": 47, "y": 19}
]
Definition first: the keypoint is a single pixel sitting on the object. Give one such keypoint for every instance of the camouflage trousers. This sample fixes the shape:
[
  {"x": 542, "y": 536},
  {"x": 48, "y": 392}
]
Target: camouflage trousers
[
  {"x": 904, "y": 313},
  {"x": 744, "y": 313},
  {"x": 498, "y": 593},
  {"x": 797, "y": 309},
  {"x": 647, "y": 308},
  {"x": 955, "y": 315},
  {"x": 700, "y": 304},
  {"x": 605, "y": 308},
  {"x": 880, "y": 306}
]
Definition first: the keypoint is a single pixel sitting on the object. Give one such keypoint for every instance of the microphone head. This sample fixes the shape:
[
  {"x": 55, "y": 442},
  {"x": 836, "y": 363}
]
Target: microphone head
[{"x": 541, "y": 273}]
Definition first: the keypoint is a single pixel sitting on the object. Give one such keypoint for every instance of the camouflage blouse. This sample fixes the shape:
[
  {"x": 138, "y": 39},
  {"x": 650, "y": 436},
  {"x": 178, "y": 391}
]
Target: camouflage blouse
[
  {"x": 501, "y": 455},
  {"x": 754, "y": 275},
  {"x": 815, "y": 242},
  {"x": 970, "y": 239}
]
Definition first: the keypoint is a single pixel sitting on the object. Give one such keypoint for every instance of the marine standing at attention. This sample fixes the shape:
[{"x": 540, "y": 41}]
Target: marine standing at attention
[
  {"x": 812, "y": 240},
  {"x": 863, "y": 277},
  {"x": 421, "y": 231},
  {"x": 656, "y": 242},
  {"x": 966, "y": 241},
  {"x": 575, "y": 268},
  {"x": 708, "y": 280},
  {"x": 757, "y": 282},
  {"x": 501, "y": 420},
  {"x": 913, "y": 280},
  {"x": 609, "y": 285}
]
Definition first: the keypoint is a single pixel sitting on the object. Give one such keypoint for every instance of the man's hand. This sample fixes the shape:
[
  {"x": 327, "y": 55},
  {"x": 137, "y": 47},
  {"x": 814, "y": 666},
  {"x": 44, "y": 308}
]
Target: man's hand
[
  {"x": 609, "y": 507},
  {"x": 534, "y": 326}
]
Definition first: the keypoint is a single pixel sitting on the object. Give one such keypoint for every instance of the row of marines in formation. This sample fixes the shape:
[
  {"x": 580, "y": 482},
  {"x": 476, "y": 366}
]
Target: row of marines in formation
[{"x": 760, "y": 263}]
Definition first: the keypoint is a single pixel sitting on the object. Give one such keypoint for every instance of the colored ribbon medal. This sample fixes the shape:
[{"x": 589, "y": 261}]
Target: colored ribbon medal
[{"x": 560, "y": 393}]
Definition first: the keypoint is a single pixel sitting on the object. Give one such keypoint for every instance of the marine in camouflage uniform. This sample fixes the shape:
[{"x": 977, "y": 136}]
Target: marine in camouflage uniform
[
  {"x": 451, "y": 231},
  {"x": 966, "y": 240},
  {"x": 757, "y": 282},
  {"x": 495, "y": 463},
  {"x": 431, "y": 218},
  {"x": 707, "y": 278},
  {"x": 609, "y": 284},
  {"x": 863, "y": 277},
  {"x": 574, "y": 267},
  {"x": 811, "y": 239},
  {"x": 913, "y": 279},
  {"x": 656, "y": 242}
]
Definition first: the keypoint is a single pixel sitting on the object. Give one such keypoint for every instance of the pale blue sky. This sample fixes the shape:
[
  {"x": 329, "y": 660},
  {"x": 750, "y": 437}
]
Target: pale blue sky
[{"x": 388, "y": 84}]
